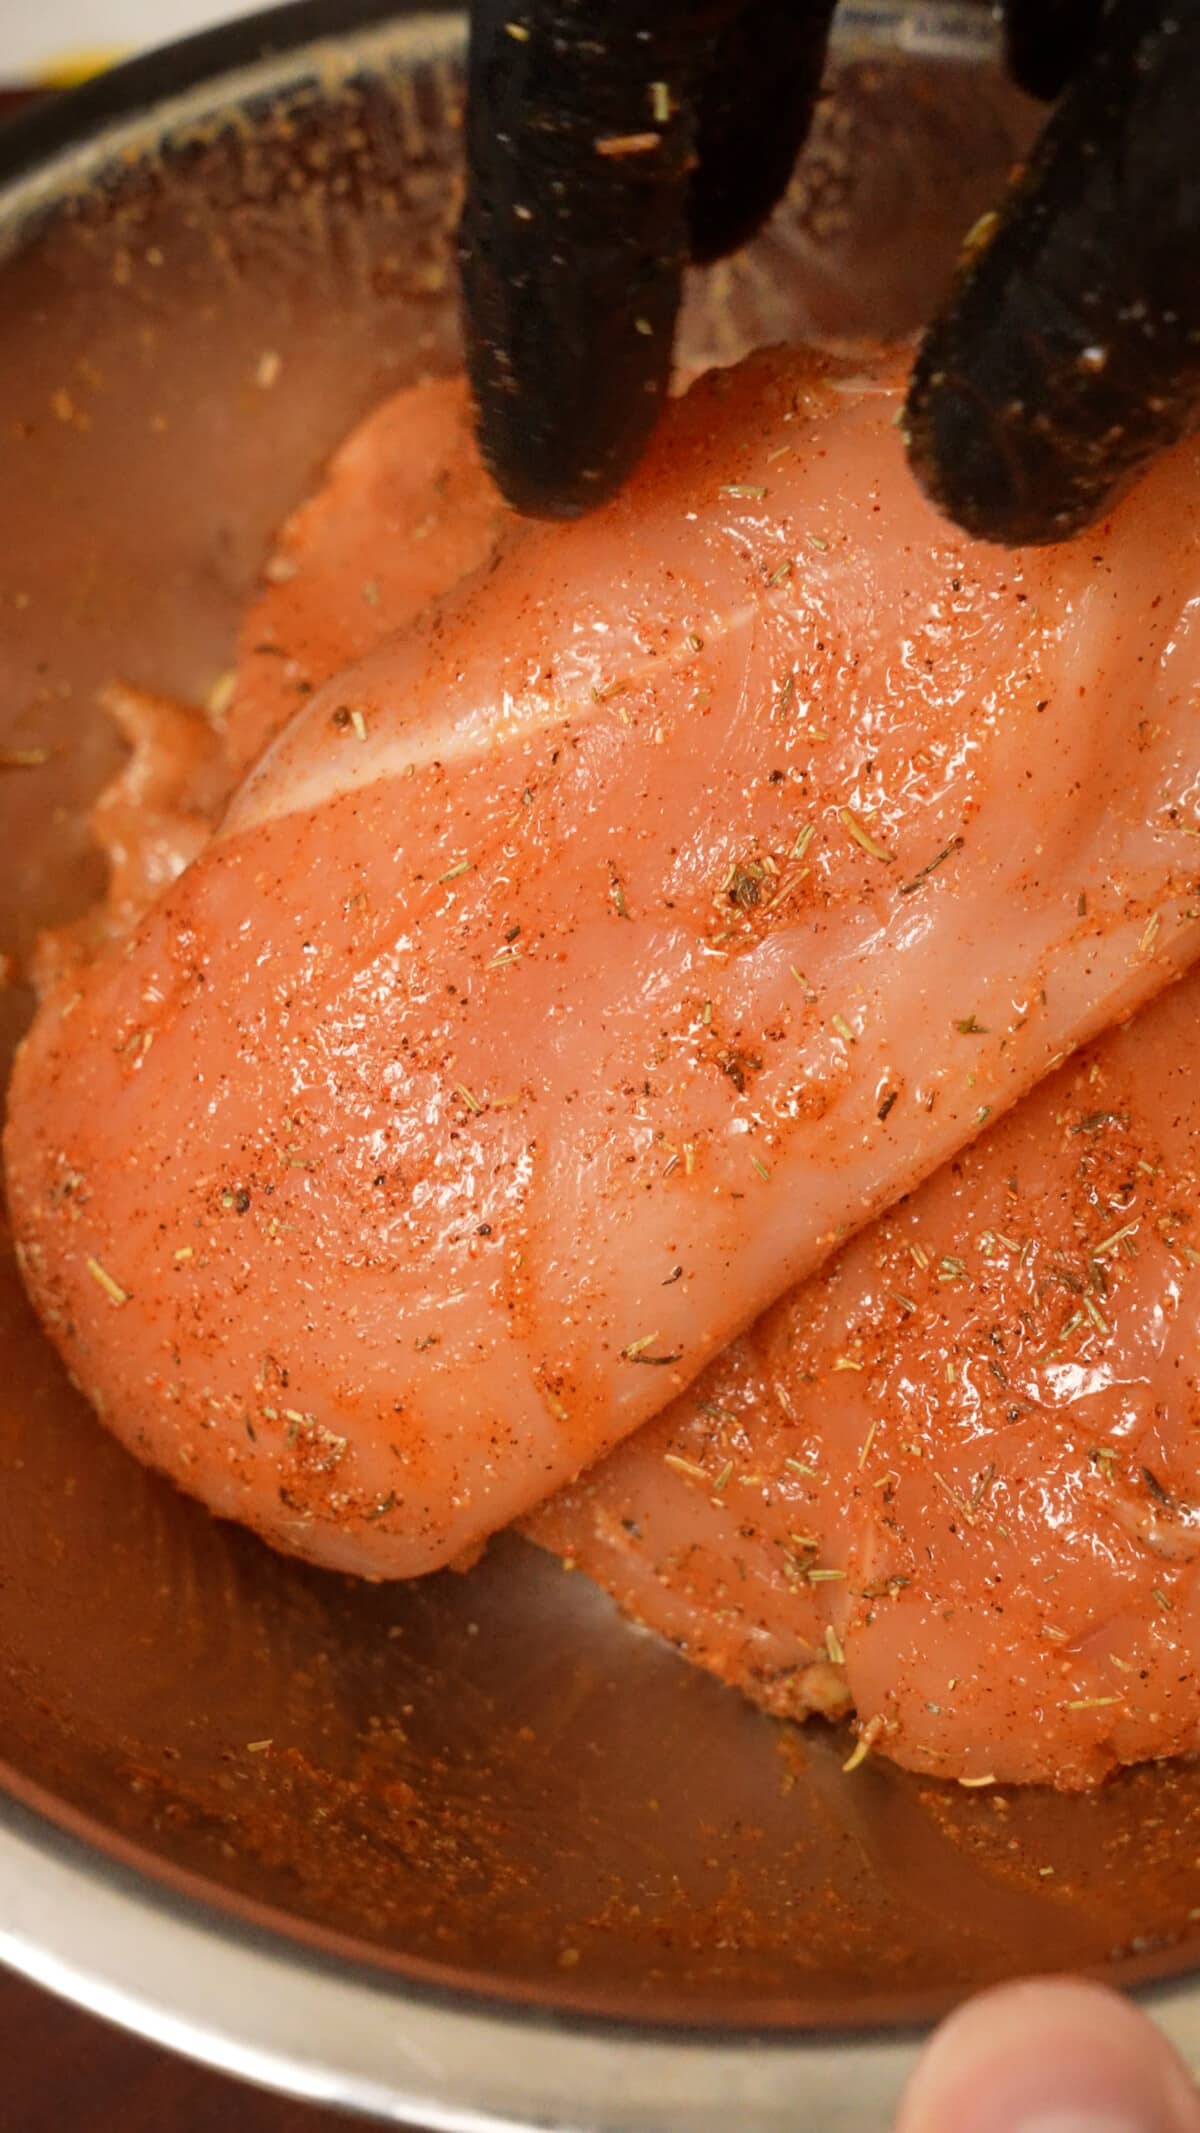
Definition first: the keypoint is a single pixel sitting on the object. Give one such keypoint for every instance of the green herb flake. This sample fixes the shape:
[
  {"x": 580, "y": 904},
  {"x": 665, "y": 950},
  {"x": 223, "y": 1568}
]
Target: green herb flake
[
  {"x": 104, "y": 1280},
  {"x": 862, "y": 836},
  {"x": 687, "y": 1467},
  {"x": 931, "y": 867},
  {"x": 636, "y": 1352}
]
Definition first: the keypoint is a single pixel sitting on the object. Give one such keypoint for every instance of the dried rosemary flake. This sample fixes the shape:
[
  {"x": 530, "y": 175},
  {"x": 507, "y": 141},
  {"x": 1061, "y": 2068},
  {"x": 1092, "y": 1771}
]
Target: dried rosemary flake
[
  {"x": 803, "y": 841},
  {"x": 798, "y": 1467},
  {"x": 461, "y": 866},
  {"x": 626, "y": 144},
  {"x": 843, "y": 1029},
  {"x": 814, "y": 541},
  {"x": 104, "y": 1280},
  {"x": 868, "y": 1441},
  {"x": 834, "y": 1646},
  {"x": 1110, "y": 1243},
  {"x": 685, "y": 1466},
  {"x": 761, "y": 1168},
  {"x": 472, "y": 1102},
  {"x": 1070, "y": 1326},
  {"x": 743, "y": 488},
  {"x": 817, "y": 1576},
  {"x": 907, "y": 887},
  {"x": 694, "y": 643},
  {"x": 781, "y": 571},
  {"x": 636, "y": 1353},
  {"x": 847, "y": 1362},
  {"x": 970, "y": 1026},
  {"x": 1092, "y": 1703},
  {"x": 722, "y": 1478},
  {"x": 617, "y": 893},
  {"x": 862, "y": 836},
  {"x": 1149, "y": 931},
  {"x": 23, "y": 758},
  {"x": 1160, "y": 1599}
]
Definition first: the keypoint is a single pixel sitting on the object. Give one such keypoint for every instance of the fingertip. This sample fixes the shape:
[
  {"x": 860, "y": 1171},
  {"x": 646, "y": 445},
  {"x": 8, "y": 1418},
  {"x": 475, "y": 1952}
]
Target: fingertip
[{"x": 1053, "y": 2056}]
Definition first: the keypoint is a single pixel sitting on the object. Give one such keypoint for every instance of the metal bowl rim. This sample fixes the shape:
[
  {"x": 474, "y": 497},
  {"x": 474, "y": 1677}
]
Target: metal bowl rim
[{"x": 275, "y": 2011}]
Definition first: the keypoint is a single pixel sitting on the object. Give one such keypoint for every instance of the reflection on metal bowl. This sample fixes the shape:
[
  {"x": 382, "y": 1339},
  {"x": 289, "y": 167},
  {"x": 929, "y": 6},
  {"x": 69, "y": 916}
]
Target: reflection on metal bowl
[{"x": 471, "y": 1852}]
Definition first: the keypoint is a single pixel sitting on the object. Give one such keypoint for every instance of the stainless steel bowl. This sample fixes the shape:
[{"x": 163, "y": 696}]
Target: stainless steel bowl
[{"x": 470, "y": 1853}]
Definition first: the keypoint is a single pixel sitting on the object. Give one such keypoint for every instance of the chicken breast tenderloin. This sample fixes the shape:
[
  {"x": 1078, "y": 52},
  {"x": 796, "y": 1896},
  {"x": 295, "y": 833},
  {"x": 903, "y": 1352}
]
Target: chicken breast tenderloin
[{"x": 567, "y": 981}]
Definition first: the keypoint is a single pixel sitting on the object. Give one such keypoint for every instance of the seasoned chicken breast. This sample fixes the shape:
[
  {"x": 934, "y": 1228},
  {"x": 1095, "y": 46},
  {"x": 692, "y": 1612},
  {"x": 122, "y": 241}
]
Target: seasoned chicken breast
[{"x": 575, "y": 973}]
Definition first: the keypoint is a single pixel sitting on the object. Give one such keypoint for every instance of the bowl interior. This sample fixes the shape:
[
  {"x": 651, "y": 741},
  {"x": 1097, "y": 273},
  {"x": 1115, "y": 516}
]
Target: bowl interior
[{"x": 486, "y": 1780}]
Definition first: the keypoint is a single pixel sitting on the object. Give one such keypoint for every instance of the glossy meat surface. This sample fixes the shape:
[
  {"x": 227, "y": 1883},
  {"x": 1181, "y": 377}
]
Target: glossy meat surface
[
  {"x": 570, "y": 978},
  {"x": 405, "y": 510},
  {"x": 954, "y": 1481}
]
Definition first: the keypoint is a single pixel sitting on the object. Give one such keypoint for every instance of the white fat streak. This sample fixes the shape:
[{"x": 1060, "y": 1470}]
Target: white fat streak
[{"x": 310, "y": 764}]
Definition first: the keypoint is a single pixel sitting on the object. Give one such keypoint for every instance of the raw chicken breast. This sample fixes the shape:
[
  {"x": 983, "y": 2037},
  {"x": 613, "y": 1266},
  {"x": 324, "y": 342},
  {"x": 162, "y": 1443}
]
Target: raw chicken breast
[
  {"x": 955, "y": 1480},
  {"x": 569, "y": 980},
  {"x": 404, "y": 511}
]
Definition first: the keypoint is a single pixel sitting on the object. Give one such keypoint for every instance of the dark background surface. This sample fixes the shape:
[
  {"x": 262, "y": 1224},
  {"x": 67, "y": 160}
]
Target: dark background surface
[{"x": 66, "y": 2073}]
